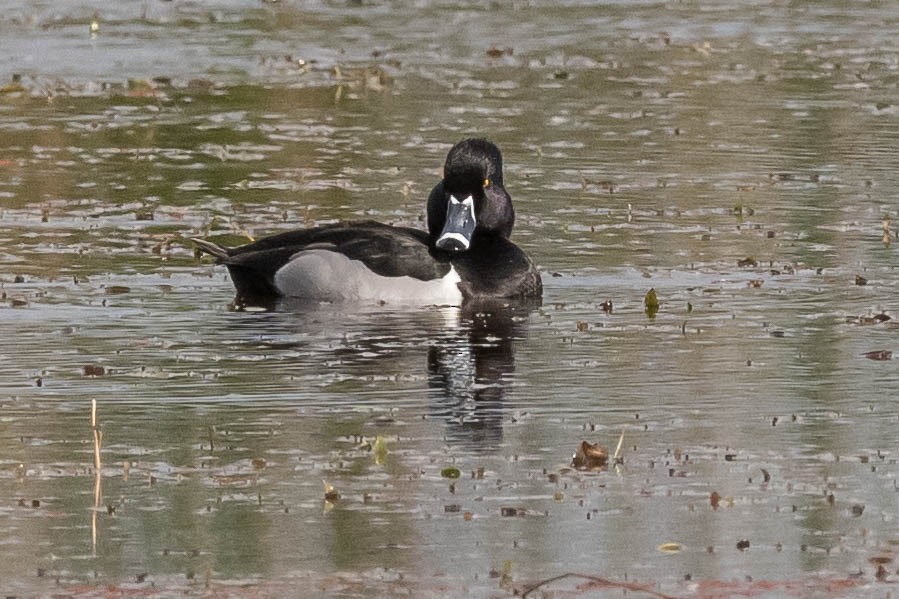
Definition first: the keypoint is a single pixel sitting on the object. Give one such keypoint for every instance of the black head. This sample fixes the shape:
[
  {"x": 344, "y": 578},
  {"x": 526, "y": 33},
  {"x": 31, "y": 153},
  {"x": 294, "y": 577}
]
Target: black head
[{"x": 471, "y": 200}]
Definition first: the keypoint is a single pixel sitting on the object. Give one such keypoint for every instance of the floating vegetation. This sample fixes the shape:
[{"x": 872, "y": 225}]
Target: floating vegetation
[
  {"x": 445, "y": 436},
  {"x": 670, "y": 547},
  {"x": 497, "y": 52},
  {"x": 590, "y": 582},
  {"x": 651, "y": 303},
  {"x": 869, "y": 320},
  {"x": 379, "y": 450},
  {"x": 520, "y": 512},
  {"x": 331, "y": 493},
  {"x": 450, "y": 472},
  {"x": 13, "y": 86},
  {"x": 595, "y": 457},
  {"x": 590, "y": 457}
]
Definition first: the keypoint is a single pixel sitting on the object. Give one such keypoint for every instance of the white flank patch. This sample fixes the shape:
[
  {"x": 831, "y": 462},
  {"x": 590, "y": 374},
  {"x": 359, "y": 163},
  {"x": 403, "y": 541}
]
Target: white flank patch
[{"x": 330, "y": 276}]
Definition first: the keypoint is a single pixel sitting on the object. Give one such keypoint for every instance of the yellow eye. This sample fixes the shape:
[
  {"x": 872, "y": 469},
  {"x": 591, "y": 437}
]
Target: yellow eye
[{"x": 486, "y": 182}]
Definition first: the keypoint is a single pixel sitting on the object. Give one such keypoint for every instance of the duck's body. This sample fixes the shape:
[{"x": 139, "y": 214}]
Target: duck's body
[{"x": 464, "y": 255}]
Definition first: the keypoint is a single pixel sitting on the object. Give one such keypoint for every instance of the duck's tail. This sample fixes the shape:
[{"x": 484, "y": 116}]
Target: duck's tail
[{"x": 210, "y": 248}]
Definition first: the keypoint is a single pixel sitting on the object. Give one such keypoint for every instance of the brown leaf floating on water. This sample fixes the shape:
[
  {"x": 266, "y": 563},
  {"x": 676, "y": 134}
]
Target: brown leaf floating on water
[
  {"x": 590, "y": 457},
  {"x": 860, "y": 280},
  {"x": 519, "y": 512},
  {"x": 496, "y": 52},
  {"x": 331, "y": 493},
  {"x": 231, "y": 480},
  {"x": 868, "y": 320},
  {"x": 94, "y": 370},
  {"x": 715, "y": 499}
]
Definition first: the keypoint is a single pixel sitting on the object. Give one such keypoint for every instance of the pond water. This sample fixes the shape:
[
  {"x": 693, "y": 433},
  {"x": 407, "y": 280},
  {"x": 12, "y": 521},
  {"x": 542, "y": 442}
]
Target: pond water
[{"x": 739, "y": 158}]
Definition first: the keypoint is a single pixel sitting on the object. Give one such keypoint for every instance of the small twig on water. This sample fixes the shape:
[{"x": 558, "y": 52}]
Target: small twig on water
[
  {"x": 98, "y": 484},
  {"x": 98, "y": 434},
  {"x": 605, "y": 582},
  {"x": 617, "y": 456}
]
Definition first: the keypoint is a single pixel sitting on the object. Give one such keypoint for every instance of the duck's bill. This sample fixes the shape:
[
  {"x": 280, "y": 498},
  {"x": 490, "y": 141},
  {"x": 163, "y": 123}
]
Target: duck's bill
[{"x": 460, "y": 225}]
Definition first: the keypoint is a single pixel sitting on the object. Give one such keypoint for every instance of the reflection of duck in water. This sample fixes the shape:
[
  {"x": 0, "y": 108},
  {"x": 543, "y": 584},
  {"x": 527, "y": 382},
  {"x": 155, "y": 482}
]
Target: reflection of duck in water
[
  {"x": 468, "y": 379},
  {"x": 331, "y": 351},
  {"x": 465, "y": 254}
]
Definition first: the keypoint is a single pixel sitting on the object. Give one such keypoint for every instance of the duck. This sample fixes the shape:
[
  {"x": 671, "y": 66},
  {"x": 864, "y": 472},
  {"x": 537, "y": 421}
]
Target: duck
[{"x": 464, "y": 255}]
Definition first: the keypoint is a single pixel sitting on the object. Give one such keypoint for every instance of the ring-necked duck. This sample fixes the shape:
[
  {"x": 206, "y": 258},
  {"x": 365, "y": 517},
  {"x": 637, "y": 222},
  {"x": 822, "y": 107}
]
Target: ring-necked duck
[{"x": 465, "y": 254}]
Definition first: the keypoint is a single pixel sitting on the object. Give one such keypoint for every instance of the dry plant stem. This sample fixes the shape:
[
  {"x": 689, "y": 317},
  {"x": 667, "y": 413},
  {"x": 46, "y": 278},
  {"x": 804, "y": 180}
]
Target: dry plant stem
[
  {"x": 627, "y": 586},
  {"x": 618, "y": 448},
  {"x": 98, "y": 487},
  {"x": 98, "y": 434},
  {"x": 94, "y": 519}
]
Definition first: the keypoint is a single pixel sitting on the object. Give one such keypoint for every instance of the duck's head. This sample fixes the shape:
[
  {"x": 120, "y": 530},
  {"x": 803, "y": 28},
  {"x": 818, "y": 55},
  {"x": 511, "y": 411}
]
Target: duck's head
[{"x": 471, "y": 200}]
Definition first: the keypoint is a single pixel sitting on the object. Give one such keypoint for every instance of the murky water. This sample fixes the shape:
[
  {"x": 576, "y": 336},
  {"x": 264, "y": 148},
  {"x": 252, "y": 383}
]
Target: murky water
[{"x": 739, "y": 159}]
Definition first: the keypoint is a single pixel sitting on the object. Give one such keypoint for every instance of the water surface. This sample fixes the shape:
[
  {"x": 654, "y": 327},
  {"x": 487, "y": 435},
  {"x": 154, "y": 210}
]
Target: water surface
[{"x": 737, "y": 158}]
